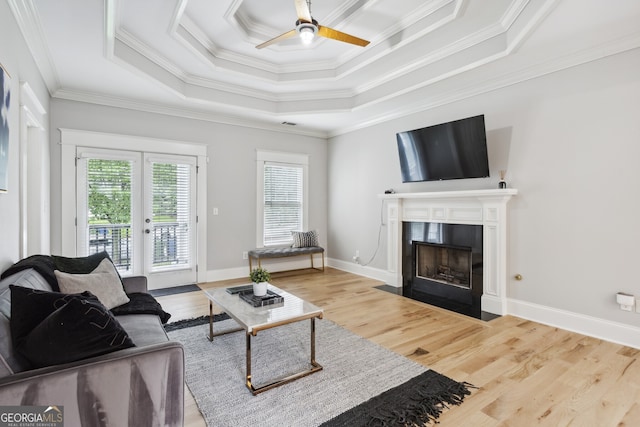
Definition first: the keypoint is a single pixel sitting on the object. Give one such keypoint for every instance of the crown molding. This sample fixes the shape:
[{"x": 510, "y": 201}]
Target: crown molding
[
  {"x": 334, "y": 69},
  {"x": 484, "y": 84},
  {"x": 27, "y": 19},
  {"x": 156, "y": 108},
  {"x": 228, "y": 61},
  {"x": 479, "y": 86}
]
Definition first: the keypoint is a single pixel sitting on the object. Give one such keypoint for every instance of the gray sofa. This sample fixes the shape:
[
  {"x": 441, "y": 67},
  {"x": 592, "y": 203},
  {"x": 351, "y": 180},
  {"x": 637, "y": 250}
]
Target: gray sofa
[{"x": 136, "y": 386}]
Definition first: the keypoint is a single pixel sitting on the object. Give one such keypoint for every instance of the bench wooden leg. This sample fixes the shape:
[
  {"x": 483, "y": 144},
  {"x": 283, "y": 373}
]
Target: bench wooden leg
[{"x": 312, "y": 266}]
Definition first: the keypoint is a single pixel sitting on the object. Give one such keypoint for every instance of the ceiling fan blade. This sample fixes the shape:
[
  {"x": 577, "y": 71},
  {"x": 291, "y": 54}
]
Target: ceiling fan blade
[
  {"x": 330, "y": 33},
  {"x": 302, "y": 8},
  {"x": 281, "y": 37}
]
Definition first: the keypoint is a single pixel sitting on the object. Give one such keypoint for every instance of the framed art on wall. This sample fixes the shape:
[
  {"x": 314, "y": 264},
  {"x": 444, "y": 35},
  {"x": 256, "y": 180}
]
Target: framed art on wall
[{"x": 4, "y": 128}]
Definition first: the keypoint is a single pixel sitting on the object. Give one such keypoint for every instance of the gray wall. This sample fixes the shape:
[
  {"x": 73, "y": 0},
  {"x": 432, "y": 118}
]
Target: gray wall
[
  {"x": 231, "y": 177},
  {"x": 571, "y": 144},
  {"x": 15, "y": 58}
]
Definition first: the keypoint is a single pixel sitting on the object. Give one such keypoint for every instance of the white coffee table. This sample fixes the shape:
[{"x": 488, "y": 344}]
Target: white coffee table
[{"x": 255, "y": 319}]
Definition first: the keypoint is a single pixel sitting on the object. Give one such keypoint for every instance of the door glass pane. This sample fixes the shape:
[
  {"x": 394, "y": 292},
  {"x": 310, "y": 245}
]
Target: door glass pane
[
  {"x": 109, "y": 210},
  {"x": 171, "y": 215}
]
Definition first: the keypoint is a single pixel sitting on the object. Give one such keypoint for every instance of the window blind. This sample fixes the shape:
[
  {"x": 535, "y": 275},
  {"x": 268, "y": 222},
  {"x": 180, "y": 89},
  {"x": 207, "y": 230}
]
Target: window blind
[
  {"x": 283, "y": 202},
  {"x": 171, "y": 214},
  {"x": 109, "y": 210}
]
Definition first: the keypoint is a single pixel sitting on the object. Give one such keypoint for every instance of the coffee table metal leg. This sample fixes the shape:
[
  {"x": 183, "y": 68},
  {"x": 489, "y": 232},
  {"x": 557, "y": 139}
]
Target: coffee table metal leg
[
  {"x": 211, "y": 334},
  {"x": 315, "y": 366},
  {"x": 248, "y": 356},
  {"x": 210, "y": 321},
  {"x": 313, "y": 341}
]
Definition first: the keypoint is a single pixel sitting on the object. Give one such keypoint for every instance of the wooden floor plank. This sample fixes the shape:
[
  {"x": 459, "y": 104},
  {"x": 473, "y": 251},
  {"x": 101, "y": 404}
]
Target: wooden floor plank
[{"x": 526, "y": 373}]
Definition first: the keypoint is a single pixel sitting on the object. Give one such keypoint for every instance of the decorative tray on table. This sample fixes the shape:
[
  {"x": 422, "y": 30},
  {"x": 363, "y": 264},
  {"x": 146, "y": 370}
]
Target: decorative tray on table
[{"x": 269, "y": 299}]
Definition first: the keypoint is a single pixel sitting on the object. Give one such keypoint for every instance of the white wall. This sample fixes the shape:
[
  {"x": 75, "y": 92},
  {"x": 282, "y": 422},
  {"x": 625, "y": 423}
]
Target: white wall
[
  {"x": 571, "y": 144},
  {"x": 16, "y": 59},
  {"x": 231, "y": 172}
]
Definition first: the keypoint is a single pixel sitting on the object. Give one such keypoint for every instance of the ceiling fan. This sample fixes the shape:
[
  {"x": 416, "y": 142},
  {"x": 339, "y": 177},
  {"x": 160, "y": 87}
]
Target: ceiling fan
[{"x": 307, "y": 28}]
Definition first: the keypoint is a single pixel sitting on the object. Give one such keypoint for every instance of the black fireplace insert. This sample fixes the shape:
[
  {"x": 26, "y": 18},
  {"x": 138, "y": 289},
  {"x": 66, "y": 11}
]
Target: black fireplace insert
[{"x": 442, "y": 265}]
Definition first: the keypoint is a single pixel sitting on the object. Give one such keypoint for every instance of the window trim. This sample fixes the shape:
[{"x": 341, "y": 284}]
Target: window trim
[{"x": 294, "y": 159}]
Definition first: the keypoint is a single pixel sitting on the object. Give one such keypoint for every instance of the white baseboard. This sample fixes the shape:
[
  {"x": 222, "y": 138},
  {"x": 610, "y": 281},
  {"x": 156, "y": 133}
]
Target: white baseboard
[
  {"x": 370, "y": 272},
  {"x": 619, "y": 333},
  {"x": 492, "y": 304},
  {"x": 228, "y": 274}
]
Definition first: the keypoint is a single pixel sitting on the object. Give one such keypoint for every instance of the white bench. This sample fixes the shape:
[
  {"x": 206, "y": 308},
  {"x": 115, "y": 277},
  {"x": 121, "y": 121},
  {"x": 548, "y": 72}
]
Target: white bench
[{"x": 270, "y": 253}]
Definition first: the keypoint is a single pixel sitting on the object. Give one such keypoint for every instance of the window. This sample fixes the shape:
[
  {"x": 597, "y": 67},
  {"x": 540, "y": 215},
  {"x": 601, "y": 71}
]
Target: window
[{"x": 282, "y": 197}]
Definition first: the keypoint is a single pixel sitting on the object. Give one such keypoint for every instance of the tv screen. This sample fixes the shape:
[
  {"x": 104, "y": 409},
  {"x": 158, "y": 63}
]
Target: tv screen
[{"x": 453, "y": 150}]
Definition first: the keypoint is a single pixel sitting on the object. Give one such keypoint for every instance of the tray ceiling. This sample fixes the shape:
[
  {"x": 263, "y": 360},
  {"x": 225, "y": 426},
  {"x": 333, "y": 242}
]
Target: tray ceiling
[{"x": 197, "y": 58}]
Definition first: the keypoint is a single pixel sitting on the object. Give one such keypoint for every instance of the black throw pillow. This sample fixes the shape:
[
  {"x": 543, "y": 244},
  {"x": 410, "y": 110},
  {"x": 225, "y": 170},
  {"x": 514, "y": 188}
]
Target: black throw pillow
[
  {"x": 80, "y": 329},
  {"x": 79, "y": 265},
  {"x": 51, "y": 327},
  {"x": 29, "y": 307}
]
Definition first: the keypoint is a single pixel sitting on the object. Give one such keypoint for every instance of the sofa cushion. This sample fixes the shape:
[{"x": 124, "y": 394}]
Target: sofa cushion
[
  {"x": 51, "y": 328},
  {"x": 10, "y": 361},
  {"x": 80, "y": 329},
  {"x": 43, "y": 264},
  {"x": 103, "y": 282},
  {"x": 143, "y": 329}
]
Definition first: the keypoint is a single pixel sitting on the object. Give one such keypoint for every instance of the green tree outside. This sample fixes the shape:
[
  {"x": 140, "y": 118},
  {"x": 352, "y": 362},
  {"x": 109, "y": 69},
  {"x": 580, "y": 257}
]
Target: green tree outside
[{"x": 109, "y": 191}]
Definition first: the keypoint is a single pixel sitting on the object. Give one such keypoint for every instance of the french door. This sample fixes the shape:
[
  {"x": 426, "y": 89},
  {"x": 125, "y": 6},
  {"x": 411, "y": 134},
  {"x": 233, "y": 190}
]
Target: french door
[{"x": 141, "y": 209}]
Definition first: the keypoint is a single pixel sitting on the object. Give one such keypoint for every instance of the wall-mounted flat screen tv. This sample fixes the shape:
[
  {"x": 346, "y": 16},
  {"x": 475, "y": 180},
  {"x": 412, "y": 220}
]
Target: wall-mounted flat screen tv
[{"x": 452, "y": 150}]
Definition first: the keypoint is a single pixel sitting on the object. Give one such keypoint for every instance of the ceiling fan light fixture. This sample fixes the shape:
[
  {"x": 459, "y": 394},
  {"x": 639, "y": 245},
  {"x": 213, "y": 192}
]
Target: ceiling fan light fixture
[
  {"x": 307, "y": 32},
  {"x": 307, "y": 35}
]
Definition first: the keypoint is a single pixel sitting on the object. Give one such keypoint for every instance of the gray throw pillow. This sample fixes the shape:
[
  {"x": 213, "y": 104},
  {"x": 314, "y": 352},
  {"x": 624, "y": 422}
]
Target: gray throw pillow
[
  {"x": 304, "y": 239},
  {"x": 103, "y": 282}
]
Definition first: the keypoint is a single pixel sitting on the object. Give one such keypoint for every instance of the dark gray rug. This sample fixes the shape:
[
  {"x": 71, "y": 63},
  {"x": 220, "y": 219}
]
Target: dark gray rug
[
  {"x": 362, "y": 384},
  {"x": 174, "y": 290}
]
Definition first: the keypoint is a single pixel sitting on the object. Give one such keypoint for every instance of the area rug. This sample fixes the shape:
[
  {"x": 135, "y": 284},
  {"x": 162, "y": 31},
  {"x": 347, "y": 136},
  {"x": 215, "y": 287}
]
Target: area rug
[{"x": 362, "y": 383}]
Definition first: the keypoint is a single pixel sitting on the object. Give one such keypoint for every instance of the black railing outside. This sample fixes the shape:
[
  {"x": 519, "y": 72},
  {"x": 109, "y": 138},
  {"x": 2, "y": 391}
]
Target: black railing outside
[
  {"x": 115, "y": 239},
  {"x": 165, "y": 239}
]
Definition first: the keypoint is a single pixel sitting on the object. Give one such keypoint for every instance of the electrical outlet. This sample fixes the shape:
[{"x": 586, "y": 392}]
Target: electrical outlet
[
  {"x": 245, "y": 255},
  {"x": 215, "y": 211}
]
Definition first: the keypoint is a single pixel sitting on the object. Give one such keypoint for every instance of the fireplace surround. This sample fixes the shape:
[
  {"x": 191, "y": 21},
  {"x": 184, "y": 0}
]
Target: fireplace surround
[{"x": 486, "y": 210}]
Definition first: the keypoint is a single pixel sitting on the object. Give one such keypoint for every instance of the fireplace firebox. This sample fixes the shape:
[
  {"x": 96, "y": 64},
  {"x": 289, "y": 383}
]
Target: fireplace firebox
[{"x": 442, "y": 265}]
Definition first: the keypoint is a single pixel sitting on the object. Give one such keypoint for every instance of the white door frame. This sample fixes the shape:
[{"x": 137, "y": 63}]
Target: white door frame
[
  {"x": 34, "y": 176},
  {"x": 71, "y": 139}
]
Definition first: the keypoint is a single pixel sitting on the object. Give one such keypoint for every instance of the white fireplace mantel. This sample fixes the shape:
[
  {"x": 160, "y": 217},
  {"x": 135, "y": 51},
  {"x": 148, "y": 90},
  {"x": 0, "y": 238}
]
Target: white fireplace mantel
[{"x": 478, "y": 207}]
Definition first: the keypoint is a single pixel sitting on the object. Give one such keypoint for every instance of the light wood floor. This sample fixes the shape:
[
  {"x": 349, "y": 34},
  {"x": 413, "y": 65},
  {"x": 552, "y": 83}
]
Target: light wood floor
[{"x": 526, "y": 373}]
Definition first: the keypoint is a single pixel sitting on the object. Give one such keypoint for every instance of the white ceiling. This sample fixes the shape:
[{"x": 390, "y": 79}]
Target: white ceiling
[{"x": 197, "y": 58}]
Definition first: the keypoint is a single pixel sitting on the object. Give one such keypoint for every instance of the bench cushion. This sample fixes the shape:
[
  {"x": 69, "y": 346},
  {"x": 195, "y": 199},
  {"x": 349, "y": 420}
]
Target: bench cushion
[{"x": 284, "y": 252}]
